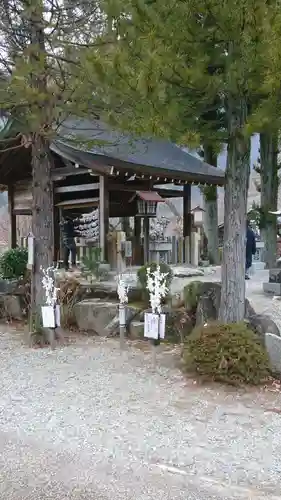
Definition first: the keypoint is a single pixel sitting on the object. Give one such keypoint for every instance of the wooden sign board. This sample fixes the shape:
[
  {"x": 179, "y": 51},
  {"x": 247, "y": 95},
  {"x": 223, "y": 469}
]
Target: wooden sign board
[{"x": 50, "y": 316}]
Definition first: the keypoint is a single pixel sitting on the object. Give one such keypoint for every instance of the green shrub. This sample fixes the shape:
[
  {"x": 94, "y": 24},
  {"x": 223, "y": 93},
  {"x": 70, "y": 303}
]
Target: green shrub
[
  {"x": 91, "y": 262},
  {"x": 191, "y": 294},
  {"x": 178, "y": 326},
  {"x": 142, "y": 276},
  {"x": 229, "y": 353},
  {"x": 13, "y": 263}
]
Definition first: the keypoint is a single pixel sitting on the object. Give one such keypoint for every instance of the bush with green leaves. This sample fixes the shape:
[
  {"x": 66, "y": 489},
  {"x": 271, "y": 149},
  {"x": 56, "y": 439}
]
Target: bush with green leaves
[
  {"x": 91, "y": 262},
  {"x": 191, "y": 294},
  {"x": 13, "y": 263},
  {"x": 142, "y": 276},
  {"x": 228, "y": 353}
]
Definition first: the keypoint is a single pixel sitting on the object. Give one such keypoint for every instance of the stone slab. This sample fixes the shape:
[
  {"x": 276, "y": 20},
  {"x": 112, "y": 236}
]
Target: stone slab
[
  {"x": 186, "y": 272},
  {"x": 95, "y": 315},
  {"x": 136, "y": 330},
  {"x": 272, "y": 288},
  {"x": 273, "y": 347}
]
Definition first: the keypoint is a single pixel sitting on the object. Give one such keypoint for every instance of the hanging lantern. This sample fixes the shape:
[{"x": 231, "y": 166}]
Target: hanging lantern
[
  {"x": 147, "y": 203},
  {"x": 198, "y": 215}
]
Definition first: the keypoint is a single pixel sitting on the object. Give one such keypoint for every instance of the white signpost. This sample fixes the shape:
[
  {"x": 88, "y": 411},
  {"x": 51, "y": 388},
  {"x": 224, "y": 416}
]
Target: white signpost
[
  {"x": 122, "y": 291},
  {"x": 51, "y": 310},
  {"x": 154, "y": 322},
  {"x": 31, "y": 251}
]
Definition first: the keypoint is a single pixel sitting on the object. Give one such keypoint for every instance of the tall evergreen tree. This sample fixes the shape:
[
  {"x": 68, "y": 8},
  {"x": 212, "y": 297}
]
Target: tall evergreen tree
[
  {"x": 41, "y": 42},
  {"x": 172, "y": 62}
]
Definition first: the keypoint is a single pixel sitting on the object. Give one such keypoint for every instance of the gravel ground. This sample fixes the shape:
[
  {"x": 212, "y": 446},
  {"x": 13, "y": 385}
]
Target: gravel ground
[{"x": 87, "y": 422}]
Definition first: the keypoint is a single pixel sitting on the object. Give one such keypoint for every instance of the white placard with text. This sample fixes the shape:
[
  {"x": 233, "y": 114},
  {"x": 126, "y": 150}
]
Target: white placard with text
[{"x": 154, "y": 326}]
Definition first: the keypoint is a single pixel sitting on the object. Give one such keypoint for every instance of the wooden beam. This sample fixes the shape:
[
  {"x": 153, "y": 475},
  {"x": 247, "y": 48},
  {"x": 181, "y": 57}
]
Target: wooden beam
[
  {"x": 68, "y": 171},
  {"x": 77, "y": 187},
  {"x": 78, "y": 201},
  {"x": 12, "y": 217},
  {"x": 137, "y": 249},
  {"x": 104, "y": 217},
  {"x": 130, "y": 186},
  {"x": 56, "y": 229}
]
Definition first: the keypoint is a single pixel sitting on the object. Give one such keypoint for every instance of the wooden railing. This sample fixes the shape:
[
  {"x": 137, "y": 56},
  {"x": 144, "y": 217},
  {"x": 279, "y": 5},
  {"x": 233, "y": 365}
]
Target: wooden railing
[{"x": 82, "y": 249}]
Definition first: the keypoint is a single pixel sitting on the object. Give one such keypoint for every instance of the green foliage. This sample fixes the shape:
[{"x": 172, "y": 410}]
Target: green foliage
[
  {"x": 44, "y": 66},
  {"x": 172, "y": 69},
  {"x": 179, "y": 325},
  {"x": 13, "y": 263},
  {"x": 261, "y": 217},
  {"x": 92, "y": 261},
  {"x": 191, "y": 293},
  {"x": 142, "y": 276},
  {"x": 228, "y": 353}
]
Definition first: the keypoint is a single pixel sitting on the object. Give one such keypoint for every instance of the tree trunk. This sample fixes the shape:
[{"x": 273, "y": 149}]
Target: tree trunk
[
  {"x": 42, "y": 213},
  {"x": 269, "y": 195},
  {"x": 42, "y": 188},
  {"x": 211, "y": 211},
  {"x": 232, "y": 307}
]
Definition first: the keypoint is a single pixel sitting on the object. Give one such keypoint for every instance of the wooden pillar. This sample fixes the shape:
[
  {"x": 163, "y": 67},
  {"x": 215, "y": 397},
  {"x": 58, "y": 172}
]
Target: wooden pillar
[
  {"x": 187, "y": 222},
  {"x": 146, "y": 240},
  {"x": 57, "y": 238},
  {"x": 104, "y": 217},
  {"x": 137, "y": 241},
  {"x": 12, "y": 218}
]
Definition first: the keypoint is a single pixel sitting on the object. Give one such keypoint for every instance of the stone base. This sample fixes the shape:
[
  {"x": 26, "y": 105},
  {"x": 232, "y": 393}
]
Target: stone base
[{"x": 272, "y": 288}]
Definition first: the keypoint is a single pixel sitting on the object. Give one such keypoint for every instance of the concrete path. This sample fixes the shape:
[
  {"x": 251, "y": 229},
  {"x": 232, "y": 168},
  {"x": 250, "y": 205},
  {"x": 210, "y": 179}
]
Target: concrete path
[{"x": 87, "y": 423}]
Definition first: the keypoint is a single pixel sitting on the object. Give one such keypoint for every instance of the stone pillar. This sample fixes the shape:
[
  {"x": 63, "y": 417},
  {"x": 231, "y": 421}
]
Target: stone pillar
[
  {"x": 12, "y": 218},
  {"x": 258, "y": 259},
  {"x": 195, "y": 242},
  {"x": 121, "y": 261},
  {"x": 146, "y": 240}
]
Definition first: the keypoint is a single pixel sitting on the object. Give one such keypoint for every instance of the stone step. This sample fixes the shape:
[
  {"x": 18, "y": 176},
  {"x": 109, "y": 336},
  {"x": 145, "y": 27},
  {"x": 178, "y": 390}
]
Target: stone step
[{"x": 100, "y": 316}]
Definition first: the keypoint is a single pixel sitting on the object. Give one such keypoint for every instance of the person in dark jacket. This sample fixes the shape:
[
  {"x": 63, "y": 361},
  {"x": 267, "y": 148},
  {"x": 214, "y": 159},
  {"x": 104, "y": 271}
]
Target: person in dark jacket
[
  {"x": 250, "y": 248},
  {"x": 68, "y": 241}
]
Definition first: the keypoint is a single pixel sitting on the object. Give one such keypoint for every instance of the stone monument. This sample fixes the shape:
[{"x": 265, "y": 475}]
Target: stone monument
[{"x": 273, "y": 286}]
